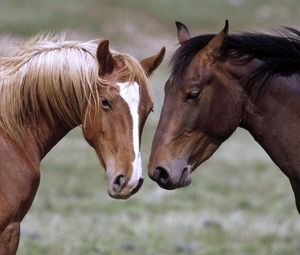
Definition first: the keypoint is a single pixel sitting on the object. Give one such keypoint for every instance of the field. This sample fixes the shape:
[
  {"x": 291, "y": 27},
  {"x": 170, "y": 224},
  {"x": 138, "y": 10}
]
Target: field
[{"x": 238, "y": 203}]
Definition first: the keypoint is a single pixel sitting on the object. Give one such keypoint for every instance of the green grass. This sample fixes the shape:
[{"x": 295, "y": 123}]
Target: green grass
[{"x": 239, "y": 201}]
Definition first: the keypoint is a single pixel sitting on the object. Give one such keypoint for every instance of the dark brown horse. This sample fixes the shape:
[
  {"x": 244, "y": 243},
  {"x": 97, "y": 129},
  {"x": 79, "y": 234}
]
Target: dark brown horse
[{"x": 221, "y": 82}]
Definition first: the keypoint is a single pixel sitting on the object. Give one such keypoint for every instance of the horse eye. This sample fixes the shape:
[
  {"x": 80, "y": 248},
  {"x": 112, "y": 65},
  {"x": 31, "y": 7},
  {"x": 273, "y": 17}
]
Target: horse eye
[
  {"x": 193, "y": 95},
  {"x": 105, "y": 104}
]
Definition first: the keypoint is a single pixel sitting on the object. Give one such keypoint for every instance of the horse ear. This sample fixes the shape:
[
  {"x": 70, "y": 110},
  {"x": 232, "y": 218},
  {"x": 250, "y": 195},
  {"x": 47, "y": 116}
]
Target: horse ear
[
  {"x": 151, "y": 63},
  {"x": 214, "y": 47},
  {"x": 105, "y": 58},
  {"x": 183, "y": 33}
]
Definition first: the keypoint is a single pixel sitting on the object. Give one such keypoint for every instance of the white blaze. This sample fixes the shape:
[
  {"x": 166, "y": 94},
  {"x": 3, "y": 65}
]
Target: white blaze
[{"x": 131, "y": 94}]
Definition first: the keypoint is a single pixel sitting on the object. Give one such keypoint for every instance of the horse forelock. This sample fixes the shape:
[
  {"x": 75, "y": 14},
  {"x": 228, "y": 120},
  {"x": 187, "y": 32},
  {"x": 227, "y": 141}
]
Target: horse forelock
[
  {"x": 132, "y": 70},
  {"x": 52, "y": 77}
]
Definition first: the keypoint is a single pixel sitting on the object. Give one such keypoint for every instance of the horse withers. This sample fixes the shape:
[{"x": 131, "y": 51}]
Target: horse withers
[
  {"x": 221, "y": 82},
  {"x": 51, "y": 86}
]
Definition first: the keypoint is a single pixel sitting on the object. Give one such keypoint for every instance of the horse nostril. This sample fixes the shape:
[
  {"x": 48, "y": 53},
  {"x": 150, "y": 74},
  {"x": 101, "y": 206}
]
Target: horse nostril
[
  {"x": 161, "y": 175},
  {"x": 119, "y": 183}
]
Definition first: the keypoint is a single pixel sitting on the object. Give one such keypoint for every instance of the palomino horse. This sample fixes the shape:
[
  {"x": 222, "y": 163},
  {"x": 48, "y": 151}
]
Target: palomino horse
[
  {"x": 221, "y": 82},
  {"x": 51, "y": 86}
]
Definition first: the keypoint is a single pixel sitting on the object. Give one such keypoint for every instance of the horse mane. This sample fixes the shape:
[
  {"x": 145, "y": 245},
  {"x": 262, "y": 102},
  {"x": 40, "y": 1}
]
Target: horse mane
[
  {"x": 279, "y": 52},
  {"x": 54, "y": 78}
]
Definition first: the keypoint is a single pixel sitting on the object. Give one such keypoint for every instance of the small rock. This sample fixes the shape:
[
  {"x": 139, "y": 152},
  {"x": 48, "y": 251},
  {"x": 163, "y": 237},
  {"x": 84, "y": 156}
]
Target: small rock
[
  {"x": 186, "y": 247},
  {"x": 127, "y": 246}
]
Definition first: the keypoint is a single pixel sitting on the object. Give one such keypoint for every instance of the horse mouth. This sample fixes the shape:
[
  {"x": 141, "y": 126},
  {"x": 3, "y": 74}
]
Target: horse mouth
[
  {"x": 137, "y": 187},
  {"x": 126, "y": 192},
  {"x": 185, "y": 179}
]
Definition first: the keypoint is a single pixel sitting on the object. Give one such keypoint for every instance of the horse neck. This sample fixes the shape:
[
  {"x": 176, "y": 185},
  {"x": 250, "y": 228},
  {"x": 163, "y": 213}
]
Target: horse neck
[
  {"x": 46, "y": 135},
  {"x": 49, "y": 104},
  {"x": 272, "y": 117},
  {"x": 39, "y": 138}
]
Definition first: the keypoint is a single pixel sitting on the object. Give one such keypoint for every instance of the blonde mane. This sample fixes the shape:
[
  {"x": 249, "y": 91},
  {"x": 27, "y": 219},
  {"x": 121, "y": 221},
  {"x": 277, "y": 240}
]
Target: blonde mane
[{"x": 53, "y": 78}]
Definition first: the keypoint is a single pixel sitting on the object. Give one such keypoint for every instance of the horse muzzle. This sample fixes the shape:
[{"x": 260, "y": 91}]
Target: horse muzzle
[
  {"x": 120, "y": 189},
  {"x": 178, "y": 176}
]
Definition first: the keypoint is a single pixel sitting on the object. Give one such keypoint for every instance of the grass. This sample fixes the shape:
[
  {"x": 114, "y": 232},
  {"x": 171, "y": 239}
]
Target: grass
[{"x": 239, "y": 202}]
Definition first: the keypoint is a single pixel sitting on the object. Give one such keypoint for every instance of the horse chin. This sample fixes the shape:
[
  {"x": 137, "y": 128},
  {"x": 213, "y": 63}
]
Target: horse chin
[
  {"x": 118, "y": 195},
  {"x": 185, "y": 180}
]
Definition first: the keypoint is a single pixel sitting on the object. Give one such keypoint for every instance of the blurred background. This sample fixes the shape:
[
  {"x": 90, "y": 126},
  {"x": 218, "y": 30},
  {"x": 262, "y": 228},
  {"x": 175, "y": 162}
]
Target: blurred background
[{"x": 239, "y": 201}]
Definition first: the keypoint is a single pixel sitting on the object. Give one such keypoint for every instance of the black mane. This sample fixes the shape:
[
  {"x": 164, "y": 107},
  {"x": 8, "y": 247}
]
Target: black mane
[{"x": 280, "y": 53}]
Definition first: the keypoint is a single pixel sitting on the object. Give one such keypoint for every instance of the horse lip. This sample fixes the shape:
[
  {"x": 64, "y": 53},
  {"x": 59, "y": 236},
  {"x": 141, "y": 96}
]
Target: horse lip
[
  {"x": 118, "y": 195},
  {"x": 185, "y": 178},
  {"x": 137, "y": 187}
]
